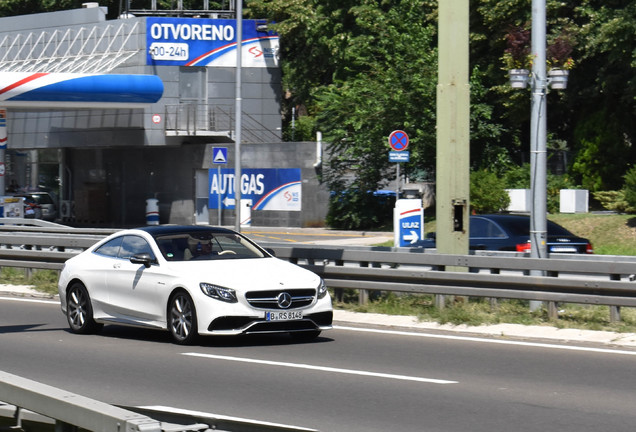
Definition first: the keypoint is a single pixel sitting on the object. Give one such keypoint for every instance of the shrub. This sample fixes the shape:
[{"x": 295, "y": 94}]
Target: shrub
[
  {"x": 614, "y": 201},
  {"x": 488, "y": 192}
]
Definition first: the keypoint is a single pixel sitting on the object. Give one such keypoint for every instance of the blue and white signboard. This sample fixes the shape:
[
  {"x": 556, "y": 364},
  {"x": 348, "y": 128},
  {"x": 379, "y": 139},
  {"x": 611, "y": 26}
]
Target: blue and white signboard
[
  {"x": 399, "y": 156},
  {"x": 408, "y": 221},
  {"x": 208, "y": 42},
  {"x": 219, "y": 155},
  {"x": 268, "y": 188}
]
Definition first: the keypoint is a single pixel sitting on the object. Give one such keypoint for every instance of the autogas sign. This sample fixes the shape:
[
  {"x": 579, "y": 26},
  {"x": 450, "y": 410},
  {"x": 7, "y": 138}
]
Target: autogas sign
[
  {"x": 208, "y": 42},
  {"x": 268, "y": 188}
]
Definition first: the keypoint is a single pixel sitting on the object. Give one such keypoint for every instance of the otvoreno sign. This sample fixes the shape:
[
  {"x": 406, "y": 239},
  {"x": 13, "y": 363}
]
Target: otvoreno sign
[
  {"x": 267, "y": 188},
  {"x": 208, "y": 42}
]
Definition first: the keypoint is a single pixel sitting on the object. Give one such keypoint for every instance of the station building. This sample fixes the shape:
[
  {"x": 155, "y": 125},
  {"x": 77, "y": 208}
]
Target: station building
[{"x": 109, "y": 114}]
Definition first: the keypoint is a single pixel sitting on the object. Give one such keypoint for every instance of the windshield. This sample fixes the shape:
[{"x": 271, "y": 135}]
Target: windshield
[
  {"x": 191, "y": 246},
  {"x": 42, "y": 198}
]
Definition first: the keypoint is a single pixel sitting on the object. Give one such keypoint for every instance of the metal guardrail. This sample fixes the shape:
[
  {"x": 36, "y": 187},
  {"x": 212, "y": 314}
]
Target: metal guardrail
[
  {"x": 70, "y": 411},
  {"x": 562, "y": 278},
  {"x": 584, "y": 280}
]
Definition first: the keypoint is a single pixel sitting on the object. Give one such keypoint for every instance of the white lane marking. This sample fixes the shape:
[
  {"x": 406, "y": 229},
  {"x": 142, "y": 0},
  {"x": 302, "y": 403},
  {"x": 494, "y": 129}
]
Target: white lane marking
[
  {"x": 211, "y": 416},
  {"x": 30, "y": 300},
  {"x": 321, "y": 368},
  {"x": 485, "y": 340}
]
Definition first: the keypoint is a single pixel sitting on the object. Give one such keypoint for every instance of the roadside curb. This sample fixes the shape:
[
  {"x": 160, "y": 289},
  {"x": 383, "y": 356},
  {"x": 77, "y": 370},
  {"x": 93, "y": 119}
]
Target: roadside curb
[
  {"x": 502, "y": 331},
  {"x": 27, "y": 292}
]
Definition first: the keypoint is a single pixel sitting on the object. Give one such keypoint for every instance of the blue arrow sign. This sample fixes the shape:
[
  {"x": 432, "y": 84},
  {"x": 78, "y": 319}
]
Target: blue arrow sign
[{"x": 409, "y": 222}]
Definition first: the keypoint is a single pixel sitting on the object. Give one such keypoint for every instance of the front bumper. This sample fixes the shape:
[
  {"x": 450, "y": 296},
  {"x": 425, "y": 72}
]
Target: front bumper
[{"x": 235, "y": 325}]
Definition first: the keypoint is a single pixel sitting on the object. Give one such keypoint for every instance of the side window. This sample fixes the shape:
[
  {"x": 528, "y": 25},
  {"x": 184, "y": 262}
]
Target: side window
[
  {"x": 478, "y": 228},
  {"x": 496, "y": 231},
  {"x": 483, "y": 228},
  {"x": 110, "y": 248},
  {"x": 133, "y": 245}
]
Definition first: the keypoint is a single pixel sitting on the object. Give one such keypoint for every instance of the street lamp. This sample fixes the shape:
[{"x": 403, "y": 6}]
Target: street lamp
[{"x": 538, "y": 157}]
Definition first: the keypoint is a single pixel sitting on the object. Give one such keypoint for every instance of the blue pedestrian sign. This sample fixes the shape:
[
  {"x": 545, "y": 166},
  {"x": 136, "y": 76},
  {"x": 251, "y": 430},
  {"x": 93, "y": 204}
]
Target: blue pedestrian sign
[
  {"x": 219, "y": 155},
  {"x": 408, "y": 218}
]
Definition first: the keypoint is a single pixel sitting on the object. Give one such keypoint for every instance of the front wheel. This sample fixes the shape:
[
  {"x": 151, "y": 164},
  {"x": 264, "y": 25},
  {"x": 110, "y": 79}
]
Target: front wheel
[
  {"x": 79, "y": 311},
  {"x": 182, "y": 319}
]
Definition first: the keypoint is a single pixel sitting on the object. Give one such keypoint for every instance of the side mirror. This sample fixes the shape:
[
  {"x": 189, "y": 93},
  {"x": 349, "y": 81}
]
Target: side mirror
[
  {"x": 142, "y": 258},
  {"x": 270, "y": 251}
]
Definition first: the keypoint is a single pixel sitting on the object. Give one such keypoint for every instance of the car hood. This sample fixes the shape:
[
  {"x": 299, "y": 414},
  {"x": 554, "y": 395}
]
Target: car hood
[{"x": 248, "y": 274}]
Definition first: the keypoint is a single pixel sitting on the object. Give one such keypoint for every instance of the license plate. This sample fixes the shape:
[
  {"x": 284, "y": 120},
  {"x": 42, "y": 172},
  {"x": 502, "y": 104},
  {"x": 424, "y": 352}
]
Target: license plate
[
  {"x": 283, "y": 315},
  {"x": 568, "y": 249}
]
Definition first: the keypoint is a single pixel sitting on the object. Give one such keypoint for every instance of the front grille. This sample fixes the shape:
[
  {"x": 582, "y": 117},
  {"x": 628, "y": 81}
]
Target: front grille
[{"x": 269, "y": 299}]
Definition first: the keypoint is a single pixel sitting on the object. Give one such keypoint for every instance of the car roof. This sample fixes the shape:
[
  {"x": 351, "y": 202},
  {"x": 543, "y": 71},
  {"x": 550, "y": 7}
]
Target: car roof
[{"x": 161, "y": 230}]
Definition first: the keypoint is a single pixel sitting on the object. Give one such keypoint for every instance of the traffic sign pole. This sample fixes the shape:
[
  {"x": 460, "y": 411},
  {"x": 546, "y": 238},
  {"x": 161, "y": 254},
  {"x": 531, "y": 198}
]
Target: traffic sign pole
[
  {"x": 219, "y": 214},
  {"x": 219, "y": 157}
]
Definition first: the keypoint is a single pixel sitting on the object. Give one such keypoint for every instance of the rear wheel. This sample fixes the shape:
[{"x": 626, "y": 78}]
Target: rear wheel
[
  {"x": 182, "y": 318},
  {"x": 79, "y": 311}
]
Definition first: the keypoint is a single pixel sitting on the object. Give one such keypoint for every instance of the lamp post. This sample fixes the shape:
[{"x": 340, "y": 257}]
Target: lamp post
[
  {"x": 538, "y": 159},
  {"x": 538, "y": 125}
]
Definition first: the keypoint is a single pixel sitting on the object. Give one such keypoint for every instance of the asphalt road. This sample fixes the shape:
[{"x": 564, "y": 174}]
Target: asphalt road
[{"x": 349, "y": 380}]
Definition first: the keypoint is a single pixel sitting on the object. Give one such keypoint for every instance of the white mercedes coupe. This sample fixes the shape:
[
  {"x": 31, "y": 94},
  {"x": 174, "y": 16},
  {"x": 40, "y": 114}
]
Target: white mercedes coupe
[{"x": 191, "y": 280}]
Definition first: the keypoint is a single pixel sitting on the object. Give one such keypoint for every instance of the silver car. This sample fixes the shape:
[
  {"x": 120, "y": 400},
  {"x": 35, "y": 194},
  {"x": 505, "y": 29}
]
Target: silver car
[{"x": 45, "y": 201}]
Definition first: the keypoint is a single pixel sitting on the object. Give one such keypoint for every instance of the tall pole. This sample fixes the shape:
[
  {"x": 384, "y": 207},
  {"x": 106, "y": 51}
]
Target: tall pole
[
  {"x": 3, "y": 146},
  {"x": 538, "y": 157},
  {"x": 453, "y": 129},
  {"x": 238, "y": 110}
]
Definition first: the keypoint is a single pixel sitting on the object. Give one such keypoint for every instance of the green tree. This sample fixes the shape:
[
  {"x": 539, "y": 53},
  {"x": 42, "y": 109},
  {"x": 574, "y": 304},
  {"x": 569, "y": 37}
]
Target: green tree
[
  {"x": 488, "y": 192},
  {"x": 26, "y": 7},
  {"x": 371, "y": 69}
]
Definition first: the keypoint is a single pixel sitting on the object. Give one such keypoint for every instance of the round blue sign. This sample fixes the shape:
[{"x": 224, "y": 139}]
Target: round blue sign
[{"x": 399, "y": 140}]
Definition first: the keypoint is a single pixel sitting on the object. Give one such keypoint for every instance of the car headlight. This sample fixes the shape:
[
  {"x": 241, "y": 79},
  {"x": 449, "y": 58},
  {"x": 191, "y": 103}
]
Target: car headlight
[
  {"x": 218, "y": 292},
  {"x": 322, "y": 289}
]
